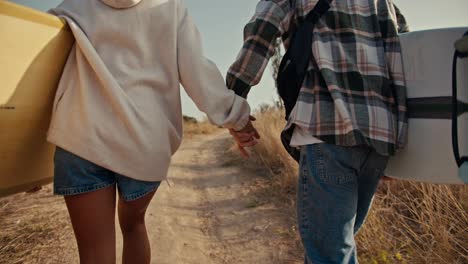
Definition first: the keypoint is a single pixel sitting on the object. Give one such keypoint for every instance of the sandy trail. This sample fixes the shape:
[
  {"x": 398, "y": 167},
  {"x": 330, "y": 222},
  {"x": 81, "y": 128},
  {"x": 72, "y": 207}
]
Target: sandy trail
[{"x": 209, "y": 212}]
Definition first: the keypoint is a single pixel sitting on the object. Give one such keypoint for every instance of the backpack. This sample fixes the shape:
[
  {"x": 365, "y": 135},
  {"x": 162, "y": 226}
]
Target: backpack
[{"x": 293, "y": 68}]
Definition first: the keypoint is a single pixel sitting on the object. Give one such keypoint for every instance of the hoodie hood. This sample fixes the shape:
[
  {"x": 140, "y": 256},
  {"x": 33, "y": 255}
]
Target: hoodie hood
[{"x": 121, "y": 3}]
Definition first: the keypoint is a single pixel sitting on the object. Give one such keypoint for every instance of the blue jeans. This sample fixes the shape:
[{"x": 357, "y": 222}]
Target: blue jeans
[{"x": 335, "y": 191}]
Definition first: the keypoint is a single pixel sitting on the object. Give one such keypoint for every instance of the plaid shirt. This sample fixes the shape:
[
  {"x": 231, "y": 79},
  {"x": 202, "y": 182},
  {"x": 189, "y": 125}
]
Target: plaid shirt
[{"x": 354, "y": 91}]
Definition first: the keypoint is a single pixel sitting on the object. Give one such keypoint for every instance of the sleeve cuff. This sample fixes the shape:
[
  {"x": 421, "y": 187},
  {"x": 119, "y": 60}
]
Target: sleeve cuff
[
  {"x": 242, "y": 123},
  {"x": 239, "y": 87}
]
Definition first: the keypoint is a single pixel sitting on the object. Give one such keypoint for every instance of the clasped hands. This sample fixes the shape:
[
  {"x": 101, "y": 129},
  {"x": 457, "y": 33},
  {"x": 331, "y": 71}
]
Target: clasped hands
[{"x": 246, "y": 137}]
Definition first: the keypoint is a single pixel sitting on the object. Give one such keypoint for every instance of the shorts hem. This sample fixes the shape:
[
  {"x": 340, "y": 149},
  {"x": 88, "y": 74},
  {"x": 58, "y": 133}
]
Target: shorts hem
[
  {"x": 134, "y": 197},
  {"x": 81, "y": 190}
]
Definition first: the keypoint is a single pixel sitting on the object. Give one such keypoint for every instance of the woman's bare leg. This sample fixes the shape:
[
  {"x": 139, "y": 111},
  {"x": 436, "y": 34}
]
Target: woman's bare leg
[
  {"x": 136, "y": 246},
  {"x": 93, "y": 219}
]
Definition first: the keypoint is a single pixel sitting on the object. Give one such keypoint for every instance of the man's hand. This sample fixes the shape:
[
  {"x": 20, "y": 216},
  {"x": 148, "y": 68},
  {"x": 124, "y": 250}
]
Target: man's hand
[{"x": 246, "y": 137}]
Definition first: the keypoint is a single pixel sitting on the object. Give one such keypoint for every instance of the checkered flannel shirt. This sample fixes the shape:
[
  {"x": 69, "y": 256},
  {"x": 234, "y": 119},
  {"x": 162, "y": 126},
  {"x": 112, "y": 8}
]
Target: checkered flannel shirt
[{"x": 354, "y": 92}]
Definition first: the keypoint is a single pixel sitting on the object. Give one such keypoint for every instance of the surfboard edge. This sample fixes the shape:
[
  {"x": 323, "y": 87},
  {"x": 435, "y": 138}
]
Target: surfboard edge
[{"x": 26, "y": 13}]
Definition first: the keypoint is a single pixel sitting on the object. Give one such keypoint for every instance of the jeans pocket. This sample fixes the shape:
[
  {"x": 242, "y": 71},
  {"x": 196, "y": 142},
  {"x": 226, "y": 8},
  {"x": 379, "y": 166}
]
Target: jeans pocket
[{"x": 334, "y": 165}]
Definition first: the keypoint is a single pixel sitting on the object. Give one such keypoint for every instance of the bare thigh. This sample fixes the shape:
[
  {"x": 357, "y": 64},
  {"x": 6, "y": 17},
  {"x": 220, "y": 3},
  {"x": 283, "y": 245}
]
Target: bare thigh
[
  {"x": 93, "y": 219},
  {"x": 132, "y": 213}
]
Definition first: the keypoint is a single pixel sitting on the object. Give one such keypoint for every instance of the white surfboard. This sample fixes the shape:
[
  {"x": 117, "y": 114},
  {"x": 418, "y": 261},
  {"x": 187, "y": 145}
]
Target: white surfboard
[{"x": 429, "y": 156}]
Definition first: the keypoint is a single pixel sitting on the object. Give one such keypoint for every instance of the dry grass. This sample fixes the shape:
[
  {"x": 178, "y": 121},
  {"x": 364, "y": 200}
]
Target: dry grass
[
  {"x": 34, "y": 227},
  {"x": 416, "y": 223},
  {"x": 409, "y": 222},
  {"x": 270, "y": 153},
  {"x": 192, "y": 127}
]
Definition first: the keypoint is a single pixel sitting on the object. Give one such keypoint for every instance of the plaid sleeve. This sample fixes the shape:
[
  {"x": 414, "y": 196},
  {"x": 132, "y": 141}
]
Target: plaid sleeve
[
  {"x": 270, "y": 21},
  {"x": 389, "y": 30}
]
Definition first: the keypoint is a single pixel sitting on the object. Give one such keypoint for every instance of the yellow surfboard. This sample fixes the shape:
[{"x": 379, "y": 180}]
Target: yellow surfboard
[{"x": 34, "y": 47}]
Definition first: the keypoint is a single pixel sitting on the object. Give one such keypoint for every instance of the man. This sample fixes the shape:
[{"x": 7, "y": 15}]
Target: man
[{"x": 349, "y": 118}]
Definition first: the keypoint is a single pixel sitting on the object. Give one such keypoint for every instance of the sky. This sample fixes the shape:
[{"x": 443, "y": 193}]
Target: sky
[{"x": 221, "y": 24}]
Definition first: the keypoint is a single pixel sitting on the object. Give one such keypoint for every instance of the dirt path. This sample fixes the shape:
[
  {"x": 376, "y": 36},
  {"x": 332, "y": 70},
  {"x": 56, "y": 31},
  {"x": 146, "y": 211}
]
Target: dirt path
[
  {"x": 213, "y": 211},
  {"x": 210, "y": 211}
]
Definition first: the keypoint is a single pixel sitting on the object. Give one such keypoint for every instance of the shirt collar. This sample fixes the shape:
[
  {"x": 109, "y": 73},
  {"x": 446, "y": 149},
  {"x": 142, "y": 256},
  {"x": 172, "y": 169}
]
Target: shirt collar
[{"x": 121, "y": 3}]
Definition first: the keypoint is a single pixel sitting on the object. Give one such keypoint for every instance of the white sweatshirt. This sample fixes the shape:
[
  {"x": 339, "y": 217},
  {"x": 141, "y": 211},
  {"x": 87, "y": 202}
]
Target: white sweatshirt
[{"x": 118, "y": 103}]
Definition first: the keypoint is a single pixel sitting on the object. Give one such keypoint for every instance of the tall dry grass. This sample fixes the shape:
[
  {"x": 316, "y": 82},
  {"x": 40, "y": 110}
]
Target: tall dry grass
[
  {"x": 409, "y": 222},
  {"x": 35, "y": 227}
]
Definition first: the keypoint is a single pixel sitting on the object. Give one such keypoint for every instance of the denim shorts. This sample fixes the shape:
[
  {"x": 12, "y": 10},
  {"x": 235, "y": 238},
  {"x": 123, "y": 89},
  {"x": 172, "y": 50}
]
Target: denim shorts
[{"x": 75, "y": 175}]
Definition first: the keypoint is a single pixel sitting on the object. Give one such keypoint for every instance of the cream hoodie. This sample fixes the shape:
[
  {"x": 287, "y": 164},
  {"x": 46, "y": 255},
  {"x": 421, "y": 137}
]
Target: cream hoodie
[{"x": 118, "y": 103}]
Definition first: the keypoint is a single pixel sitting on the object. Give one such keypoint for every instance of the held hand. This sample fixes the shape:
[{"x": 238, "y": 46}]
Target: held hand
[
  {"x": 246, "y": 137},
  {"x": 387, "y": 179}
]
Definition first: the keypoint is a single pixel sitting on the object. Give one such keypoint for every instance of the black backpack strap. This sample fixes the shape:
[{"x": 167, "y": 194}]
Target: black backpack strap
[
  {"x": 294, "y": 66},
  {"x": 319, "y": 9},
  {"x": 299, "y": 50}
]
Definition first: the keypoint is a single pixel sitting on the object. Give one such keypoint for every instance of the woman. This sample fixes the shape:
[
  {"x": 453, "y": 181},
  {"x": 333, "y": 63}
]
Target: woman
[{"x": 117, "y": 114}]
